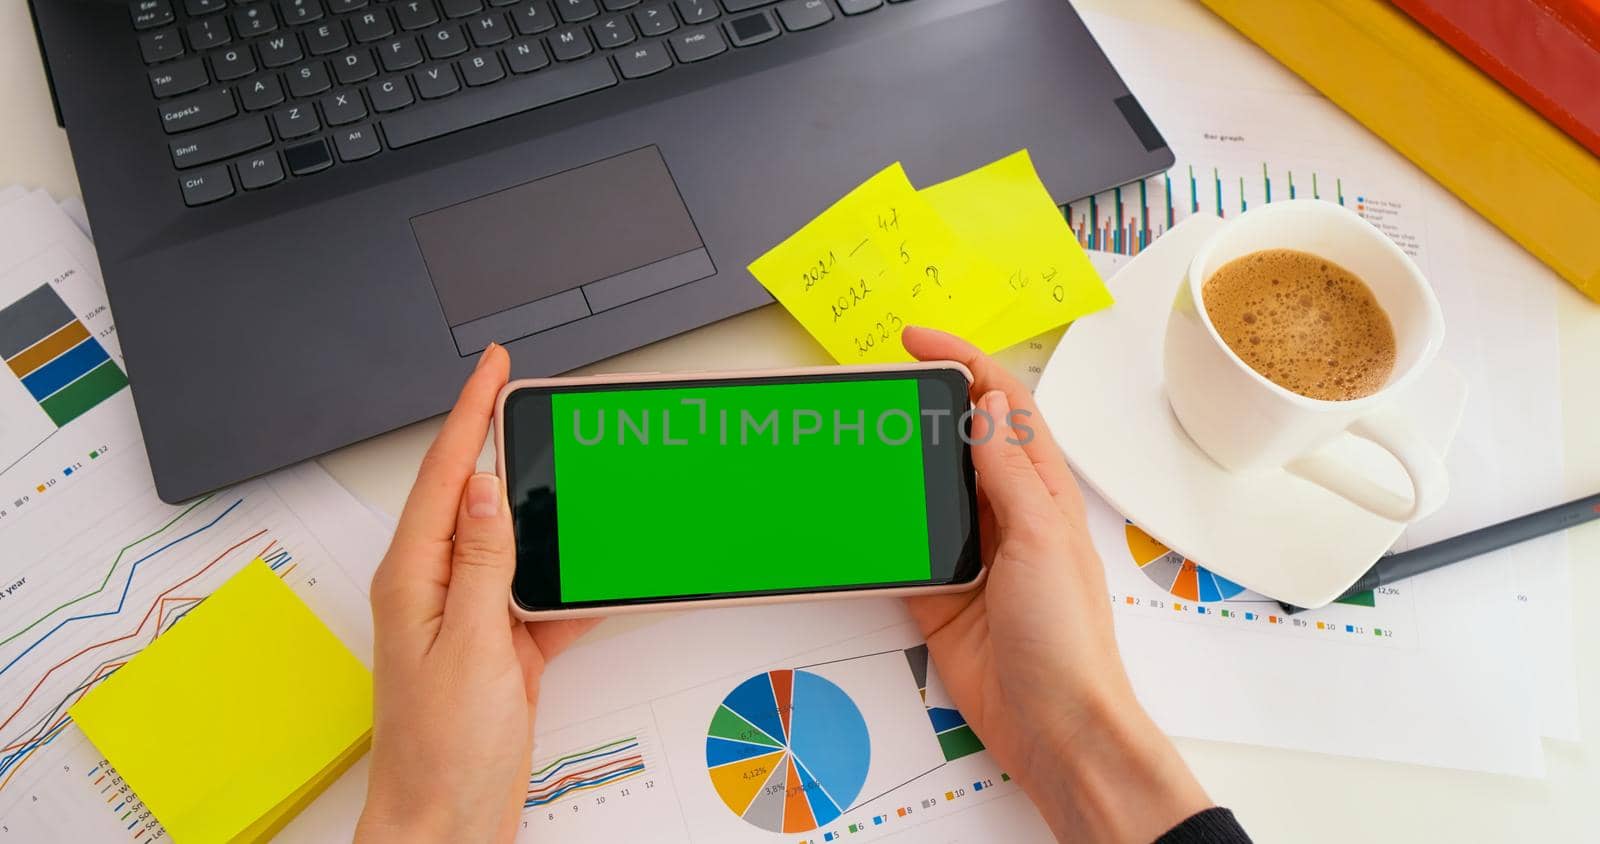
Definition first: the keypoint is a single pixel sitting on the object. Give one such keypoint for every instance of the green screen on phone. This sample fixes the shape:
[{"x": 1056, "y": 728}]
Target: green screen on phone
[
  {"x": 749, "y": 485},
  {"x": 739, "y": 488}
]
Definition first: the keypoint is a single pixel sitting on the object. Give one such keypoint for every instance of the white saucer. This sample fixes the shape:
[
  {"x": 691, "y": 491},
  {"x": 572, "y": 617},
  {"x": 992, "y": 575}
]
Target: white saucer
[{"x": 1274, "y": 533}]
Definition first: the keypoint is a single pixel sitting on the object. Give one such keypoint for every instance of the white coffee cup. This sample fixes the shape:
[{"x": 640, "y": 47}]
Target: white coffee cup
[{"x": 1247, "y": 424}]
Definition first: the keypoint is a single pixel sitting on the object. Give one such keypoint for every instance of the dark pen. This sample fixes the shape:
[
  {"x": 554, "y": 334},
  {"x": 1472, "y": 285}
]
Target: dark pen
[{"x": 1401, "y": 565}]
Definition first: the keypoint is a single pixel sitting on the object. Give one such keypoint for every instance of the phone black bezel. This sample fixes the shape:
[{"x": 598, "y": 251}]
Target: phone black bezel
[{"x": 528, "y": 443}]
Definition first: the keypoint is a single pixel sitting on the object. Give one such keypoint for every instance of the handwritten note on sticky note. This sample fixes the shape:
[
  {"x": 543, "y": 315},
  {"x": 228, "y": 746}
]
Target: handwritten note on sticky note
[
  {"x": 1004, "y": 212},
  {"x": 879, "y": 259},
  {"x": 236, "y": 716},
  {"x": 986, "y": 255}
]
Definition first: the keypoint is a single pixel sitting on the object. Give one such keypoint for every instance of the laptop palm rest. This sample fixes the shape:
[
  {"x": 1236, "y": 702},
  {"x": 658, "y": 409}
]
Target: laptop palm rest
[{"x": 555, "y": 250}]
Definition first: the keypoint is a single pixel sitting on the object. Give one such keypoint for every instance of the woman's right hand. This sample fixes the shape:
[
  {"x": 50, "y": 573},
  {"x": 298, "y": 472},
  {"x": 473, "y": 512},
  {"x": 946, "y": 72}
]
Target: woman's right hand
[{"x": 1031, "y": 658}]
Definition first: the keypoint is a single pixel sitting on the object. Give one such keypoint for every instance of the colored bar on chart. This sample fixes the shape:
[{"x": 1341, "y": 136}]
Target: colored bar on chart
[
  {"x": 42, "y": 352},
  {"x": 76, "y": 399},
  {"x": 31, "y": 319},
  {"x": 66, "y": 368}
]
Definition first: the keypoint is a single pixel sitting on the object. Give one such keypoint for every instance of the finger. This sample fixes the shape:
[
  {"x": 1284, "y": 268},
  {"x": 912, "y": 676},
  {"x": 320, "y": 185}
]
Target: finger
[
  {"x": 430, "y": 511},
  {"x": 484, "y": 558},
  {"x": 1005, "y": 474},
  {"x": 987, "y": 374}
]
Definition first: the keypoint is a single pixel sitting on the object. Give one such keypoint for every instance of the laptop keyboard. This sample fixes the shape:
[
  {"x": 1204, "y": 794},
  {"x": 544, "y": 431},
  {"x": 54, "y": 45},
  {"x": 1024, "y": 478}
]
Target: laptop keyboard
[{"x": 252, "y": 94}]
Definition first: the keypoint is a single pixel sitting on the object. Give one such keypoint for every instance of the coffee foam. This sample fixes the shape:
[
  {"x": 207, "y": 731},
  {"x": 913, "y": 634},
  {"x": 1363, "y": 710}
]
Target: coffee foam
[{"x": 1304, "y": 322}]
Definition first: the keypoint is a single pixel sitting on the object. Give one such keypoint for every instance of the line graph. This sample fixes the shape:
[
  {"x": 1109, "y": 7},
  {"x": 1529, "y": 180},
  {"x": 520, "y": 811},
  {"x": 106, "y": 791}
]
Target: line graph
[
  {"x": 132, "y": 570},
  {"x": 20, "y": 753},
  {"x": 583, "y": 770},
  {"x": 129, "y": 570},
  {"x": 107, "y": 579}
]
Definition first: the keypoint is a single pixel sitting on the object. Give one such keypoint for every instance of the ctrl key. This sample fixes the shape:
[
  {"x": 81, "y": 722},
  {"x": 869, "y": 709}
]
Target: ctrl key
[{"x": 206, "y": 185}]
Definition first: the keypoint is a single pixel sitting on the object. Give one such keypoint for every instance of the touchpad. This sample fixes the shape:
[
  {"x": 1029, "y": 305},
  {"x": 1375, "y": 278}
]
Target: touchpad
[{"x": 551, "y": 251}]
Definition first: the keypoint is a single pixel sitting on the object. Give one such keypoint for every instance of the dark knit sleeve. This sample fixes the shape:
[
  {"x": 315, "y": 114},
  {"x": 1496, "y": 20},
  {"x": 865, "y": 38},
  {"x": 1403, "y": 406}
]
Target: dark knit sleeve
[{"x": 1215, "y": 825}]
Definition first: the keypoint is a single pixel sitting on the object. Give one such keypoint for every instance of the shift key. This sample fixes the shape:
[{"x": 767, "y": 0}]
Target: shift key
[{"x": 219, "y": 142}]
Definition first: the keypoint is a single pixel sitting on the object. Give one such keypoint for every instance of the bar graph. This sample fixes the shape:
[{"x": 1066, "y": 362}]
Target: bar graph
[
  {"x": 1127, "y": 219},
  {"x": 49, "y": 350}
]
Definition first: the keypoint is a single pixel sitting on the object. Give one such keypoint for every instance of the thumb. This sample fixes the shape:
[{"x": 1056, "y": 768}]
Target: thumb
[
  {"x": 484, "y": 558},
  {"x": 1005, "y": 474}
]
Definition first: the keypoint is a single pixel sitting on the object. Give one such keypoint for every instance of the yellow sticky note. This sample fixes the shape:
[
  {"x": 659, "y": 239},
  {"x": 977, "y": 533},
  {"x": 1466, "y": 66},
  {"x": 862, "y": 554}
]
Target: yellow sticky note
[
  {"x": 1004, "y": 213},
  {"x": 877, "y": 260},
  {"x": 230, "y": 722}
]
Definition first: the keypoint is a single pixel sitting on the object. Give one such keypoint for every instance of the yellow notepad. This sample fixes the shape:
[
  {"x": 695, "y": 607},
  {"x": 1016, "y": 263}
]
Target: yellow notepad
[
  {"x": 1003, "y": 212},
  {"x": 235, "y": 718},
  {"x": 986, "y": 255}
]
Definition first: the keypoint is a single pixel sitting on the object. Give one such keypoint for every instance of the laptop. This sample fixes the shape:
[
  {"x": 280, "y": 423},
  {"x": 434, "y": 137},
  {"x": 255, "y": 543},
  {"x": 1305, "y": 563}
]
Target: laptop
[{"x": 313, "y": 215}]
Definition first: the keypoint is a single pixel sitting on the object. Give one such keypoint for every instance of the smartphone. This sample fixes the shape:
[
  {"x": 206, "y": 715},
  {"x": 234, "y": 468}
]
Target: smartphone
[{"x": 634, "y": 492}]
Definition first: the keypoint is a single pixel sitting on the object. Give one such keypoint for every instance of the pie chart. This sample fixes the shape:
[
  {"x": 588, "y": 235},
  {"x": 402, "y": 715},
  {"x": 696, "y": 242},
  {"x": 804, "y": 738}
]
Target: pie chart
[
  {"x": 788, "y": 751},
  {"x": 1179, "y": 577}
]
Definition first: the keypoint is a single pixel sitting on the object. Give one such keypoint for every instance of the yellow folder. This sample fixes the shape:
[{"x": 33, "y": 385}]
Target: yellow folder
[{"x": 1482, "y": 143}]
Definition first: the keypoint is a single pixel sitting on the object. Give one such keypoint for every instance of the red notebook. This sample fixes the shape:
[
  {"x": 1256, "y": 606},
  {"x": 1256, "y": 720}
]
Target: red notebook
[{"x": 1547, "y": 52}]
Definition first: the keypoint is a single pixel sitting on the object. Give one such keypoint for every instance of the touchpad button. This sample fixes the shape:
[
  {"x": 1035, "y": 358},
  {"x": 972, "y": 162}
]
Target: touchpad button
[{"x": 521, "y": 260}]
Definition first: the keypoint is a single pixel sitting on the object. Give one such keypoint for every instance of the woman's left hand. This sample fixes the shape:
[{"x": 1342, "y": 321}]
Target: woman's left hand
[{"x": 456, "y": 677}]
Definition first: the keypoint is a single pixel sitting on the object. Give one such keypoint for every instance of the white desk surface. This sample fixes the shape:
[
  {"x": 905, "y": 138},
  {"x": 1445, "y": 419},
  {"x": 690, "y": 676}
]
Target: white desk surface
[{"x": 1280, "y": 795}]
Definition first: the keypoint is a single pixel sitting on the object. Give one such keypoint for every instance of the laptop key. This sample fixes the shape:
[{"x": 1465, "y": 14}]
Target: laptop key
[
  {"x": 339, "y": 7},
  {"x": 655, "y": 19},
  {"x": 232, "y": 63},
  {"x": 752, "y": 29},
  {"x": 698, "y": 11},
  {"x": 170, "y": 80},
  {"x": 697, "y": 43},
  {"x": 856, "y": 7},
  {"x": 613, "y": 31},
  {"x": 342, "y": 107},
  {"x": 371, "y": 25},
  {"x": 309, "y": 157},
  {"x": 296, "y": 121},
  {"x": 741, "y": 5},
  {"x": 195, "y": 8},
  {"x": 308, "y": 79},
  {"x": 208, "y": 185},
  {"x": 445, "y": 42},
  {"x": 357, "y": 142},
  {"x": 489, "y": 30},
  {"x": 573, "y": 11},
  {"x": 481, "y": 69},
  {"x": 299, "y": 11},
  {"x": 259, "y": 170},
  {"x": 804, "y": 14},
  {"x": 260, "y": 92},
  {"x": 415, "y": 14},
  {"x": 149, "y": 14},
  {"x": 279, "y": 50},
  {"x": 160, "y": 45},
  {"x": 460, "y": 8},
  {"x": 513, "y": 96},
  {"x": 326, "y": 37},
  {"x": 224, "y": 140},
  {"x": 570, "y": 43},
  {"x": 533, "y": 18},
  {"x": 254, "y": 19},
  {"x": 209, "y": 32},
  {"x": 400, "y": 54},
  {"x": 389, "y": 94},
  {"x": 354, "y": 66},
  {"x": 643, "y": 59},
  {"x": 435, "y": 82},
  {"x": 197, "y": 110},
  {"x": 525, "y": 56}
]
